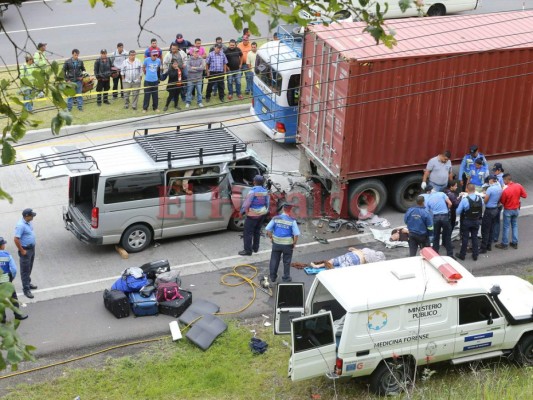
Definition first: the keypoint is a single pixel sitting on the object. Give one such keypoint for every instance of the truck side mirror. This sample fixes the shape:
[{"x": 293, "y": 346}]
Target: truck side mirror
[{"x": 490, "y": 320}]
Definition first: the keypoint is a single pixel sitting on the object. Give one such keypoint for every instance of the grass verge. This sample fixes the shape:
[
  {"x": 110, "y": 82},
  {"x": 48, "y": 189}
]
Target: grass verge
[{"x": 228, "y": 370}]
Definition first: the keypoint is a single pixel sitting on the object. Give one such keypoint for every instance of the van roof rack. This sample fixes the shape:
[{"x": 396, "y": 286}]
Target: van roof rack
[
  {"x": 293, "y": 39},
  {"x": 176, "y": 144}
]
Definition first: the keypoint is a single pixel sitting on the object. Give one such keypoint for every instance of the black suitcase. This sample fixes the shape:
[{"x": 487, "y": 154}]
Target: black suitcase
[
  {"x": 117, "y": 303},
  {"x": 175, "y": 308},
  {"x": 154, "y": 268}
]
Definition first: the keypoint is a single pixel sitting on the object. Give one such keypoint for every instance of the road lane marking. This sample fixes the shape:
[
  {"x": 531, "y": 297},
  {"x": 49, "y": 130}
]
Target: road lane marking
[
  {"x": 192, "y": 264},
  {"x": 49, "y": 27}
]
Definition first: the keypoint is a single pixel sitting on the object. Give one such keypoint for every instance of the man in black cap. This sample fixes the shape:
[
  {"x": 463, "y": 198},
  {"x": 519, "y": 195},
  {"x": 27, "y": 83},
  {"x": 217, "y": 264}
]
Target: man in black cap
[
  {"x": 491, "y": 200},
  {"x": 8, "y": 271},
  {"x": 25, "y": 242},
  {"x": 498, "y": 170},
  {"x": 467, "y": 163},
  {"x": 255, "y": 207},
  {"x": 283, "y": 231},
  {"x": 182, "y": 43},
  {"x": 39, "y": 57}
]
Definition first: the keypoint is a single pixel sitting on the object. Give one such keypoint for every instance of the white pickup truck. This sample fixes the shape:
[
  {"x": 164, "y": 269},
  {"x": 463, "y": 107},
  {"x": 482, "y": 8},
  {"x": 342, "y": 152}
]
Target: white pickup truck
[{"x": 385, "y": 319}]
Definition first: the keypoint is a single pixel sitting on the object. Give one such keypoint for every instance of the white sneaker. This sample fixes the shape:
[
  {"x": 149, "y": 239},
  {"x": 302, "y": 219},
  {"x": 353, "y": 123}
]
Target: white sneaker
[
  {"x": 187, "y": 105},
  {"x": 200, "y": 105}
]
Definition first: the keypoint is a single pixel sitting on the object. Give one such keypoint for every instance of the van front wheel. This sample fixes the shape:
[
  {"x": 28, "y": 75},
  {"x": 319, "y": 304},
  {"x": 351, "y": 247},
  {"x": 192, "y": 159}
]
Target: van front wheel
[
  {"x": 136, "y": 238},
  {"x": 391, "y": 377}
]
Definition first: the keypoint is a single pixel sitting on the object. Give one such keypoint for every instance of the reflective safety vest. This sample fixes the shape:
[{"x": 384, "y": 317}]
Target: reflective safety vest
[
  {"x": 282, "y": 232},
  {"x": 258, "y": 205},
  {"x": 4, "y": 267}
]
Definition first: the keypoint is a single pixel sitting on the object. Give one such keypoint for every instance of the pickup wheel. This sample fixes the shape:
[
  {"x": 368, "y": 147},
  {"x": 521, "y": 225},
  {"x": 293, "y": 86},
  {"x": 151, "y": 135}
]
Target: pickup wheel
[
  {"x": 405, "y": 191},
  {"x": 523, "y": 352},
  {"x": 391, "y": 377},
  {"x": 369, "y": 195},
  {"x": 136, "y": 238}
]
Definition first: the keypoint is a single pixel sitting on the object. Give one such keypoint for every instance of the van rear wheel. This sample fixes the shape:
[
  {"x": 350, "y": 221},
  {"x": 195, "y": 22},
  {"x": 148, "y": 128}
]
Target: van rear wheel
[
  {"x": 136, "y": 238},
  {"x": 391, "y": 377}
]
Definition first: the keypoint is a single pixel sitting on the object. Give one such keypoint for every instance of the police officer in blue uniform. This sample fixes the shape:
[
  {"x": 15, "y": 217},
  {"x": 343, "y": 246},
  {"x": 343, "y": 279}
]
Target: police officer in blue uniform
[
  {"x": 419, "y": 222},
  {"x": 472, "y": 207},
  {"x": 255, "y": 207},
  {"x": 283, "y": 231},
  {"x": 25, "y": 242},
  {"x": 467, "y": 164},
  {"x": 8, "y": 271}
]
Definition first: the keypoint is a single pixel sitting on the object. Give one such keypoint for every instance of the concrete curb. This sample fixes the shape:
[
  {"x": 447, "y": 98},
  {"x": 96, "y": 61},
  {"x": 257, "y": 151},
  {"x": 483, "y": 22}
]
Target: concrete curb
[{"x": 152, "y": 120}]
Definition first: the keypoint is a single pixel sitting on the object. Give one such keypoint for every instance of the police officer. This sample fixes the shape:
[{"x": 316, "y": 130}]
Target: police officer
[
  {"x": 498, "y": 171},
  {"x": 478, "y": 172},
  {"x": 8, "y": 271},
  {"x": 420, "y": 225},
  {"x": 25, "y": 242},
  {"x": 255, "y": 207},
  {"x": 467, "y": 164},
  {"x": 472, "y": 207},
  {"x": 491, "y": 200},
  {"x": 438, "y": 204},
  {"x": 283, "y": 231}
]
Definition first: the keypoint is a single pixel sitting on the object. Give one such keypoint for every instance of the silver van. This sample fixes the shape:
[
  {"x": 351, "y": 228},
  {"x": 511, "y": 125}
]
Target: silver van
[{"x": 154, "y": 186}]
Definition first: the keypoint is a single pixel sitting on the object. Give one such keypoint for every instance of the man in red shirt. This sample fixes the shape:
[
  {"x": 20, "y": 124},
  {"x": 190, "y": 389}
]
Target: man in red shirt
[{"x": 510, "y": 201}]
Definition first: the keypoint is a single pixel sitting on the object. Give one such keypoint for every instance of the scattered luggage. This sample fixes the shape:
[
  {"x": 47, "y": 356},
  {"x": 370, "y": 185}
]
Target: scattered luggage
[
  {"x": 132, "y": 280},
  {"x": 176, "y": 307},
  {"x": 154, "y": 268},
  {"x": 167, "y": 292},
  {"x": 117, "y": 303},
  {"x": 167, "y": 277},
  {"x": 142, "y": 306}
]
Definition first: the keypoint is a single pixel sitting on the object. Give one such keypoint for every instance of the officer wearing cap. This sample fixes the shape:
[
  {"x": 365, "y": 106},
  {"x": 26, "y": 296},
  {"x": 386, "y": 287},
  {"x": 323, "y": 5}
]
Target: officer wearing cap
[
  {"x": 25, "y": 242},
  {"x": 491, "y": 200},
  {"x": 283, "y": 231},
  {"x": 467, "y": 164},
  {"x": 8, "y": 271},
  {"x": 478, "y": 173},
  {"x": 255, "y": 207},
  {"x": 498, "y": 170}
]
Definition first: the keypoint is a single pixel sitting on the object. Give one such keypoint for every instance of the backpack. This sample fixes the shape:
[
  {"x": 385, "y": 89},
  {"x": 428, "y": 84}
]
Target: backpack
[
  {"x": 167, "y": 292},
  {"x": 475, "y": 209}
]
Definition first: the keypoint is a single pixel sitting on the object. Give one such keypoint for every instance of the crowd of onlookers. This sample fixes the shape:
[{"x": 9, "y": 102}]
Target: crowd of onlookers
[
  {"x": 184, "y": 67},
  {"x": 478, "y": 198}
]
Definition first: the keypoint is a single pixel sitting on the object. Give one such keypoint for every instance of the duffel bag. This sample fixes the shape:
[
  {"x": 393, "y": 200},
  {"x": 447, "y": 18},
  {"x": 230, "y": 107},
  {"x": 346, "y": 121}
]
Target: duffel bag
[
  {"x": 168, "y": 277},
  {"x": 154, "y": 268},
  {"x": 168, "y": 291}
]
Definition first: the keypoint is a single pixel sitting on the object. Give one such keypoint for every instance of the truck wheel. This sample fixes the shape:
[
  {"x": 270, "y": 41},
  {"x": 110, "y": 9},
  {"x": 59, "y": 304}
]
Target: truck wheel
[
  {"x": 369, "y": 195},
  {"x": 391, "y": 378},
  {"x": 236, "y": 222},
  {"x": 405, "y": 191},
  {"x": 523, "y": 352},
  {"x": 436, "y": 10},
  {"x": 136, "y": 238}
]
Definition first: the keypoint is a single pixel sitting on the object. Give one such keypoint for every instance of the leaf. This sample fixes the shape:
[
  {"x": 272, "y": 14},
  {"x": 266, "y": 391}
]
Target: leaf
[
  {"x": 56, "y": 124},
  {"x": 236, "y": 20},
  {"x": 8, "y": 153},
  {"x": 3, "y": 364},
  {"x": 5, "y": 196},
  {"x": 18, "y": 131},
  {"x": 404, "y": 4}
]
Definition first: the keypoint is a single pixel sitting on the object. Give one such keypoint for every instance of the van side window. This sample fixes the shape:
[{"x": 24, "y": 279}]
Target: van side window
[
  {"x": 132, "y": 187},
  {"x": 244, "y": 171},
  {"x": 476, "y": 309},
  {"x": 293, "y": 91},
  {"x": 193, "y": 181},
  {"x": 313, "y": 332}
]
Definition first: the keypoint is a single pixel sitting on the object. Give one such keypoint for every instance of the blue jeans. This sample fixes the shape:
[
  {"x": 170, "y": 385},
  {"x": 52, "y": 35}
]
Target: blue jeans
[
  {"x": 249, "y": 76},
  {"x": 79, "y": 99},
  {"x": 510, "y": 219},
  {"x": 194, "y": 84},
  {"x": 234, "y": 77}
]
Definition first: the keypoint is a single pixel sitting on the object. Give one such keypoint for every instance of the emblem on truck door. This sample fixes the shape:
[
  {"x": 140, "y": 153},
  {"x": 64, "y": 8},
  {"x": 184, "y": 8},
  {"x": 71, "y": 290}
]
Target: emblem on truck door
[{"x": 377, "y": 320}]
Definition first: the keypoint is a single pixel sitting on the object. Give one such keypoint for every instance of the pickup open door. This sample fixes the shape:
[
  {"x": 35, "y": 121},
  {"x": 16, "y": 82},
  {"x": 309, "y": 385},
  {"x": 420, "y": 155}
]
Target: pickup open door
[
  {"x": 57, "y": 161},
  {"x": 314, "y": 350},
  {"x": 289, "y": 305}
]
